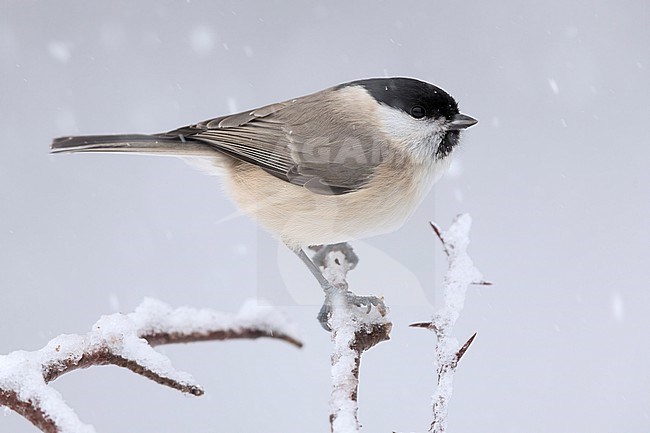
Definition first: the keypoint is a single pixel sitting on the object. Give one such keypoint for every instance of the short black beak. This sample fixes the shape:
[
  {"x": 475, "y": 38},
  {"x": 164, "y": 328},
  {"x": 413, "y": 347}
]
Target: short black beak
[{"x": 461, "y": 121}]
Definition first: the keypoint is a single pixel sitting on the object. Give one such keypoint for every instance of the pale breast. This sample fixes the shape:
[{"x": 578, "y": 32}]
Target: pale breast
[{"x": 300, "y": 217}]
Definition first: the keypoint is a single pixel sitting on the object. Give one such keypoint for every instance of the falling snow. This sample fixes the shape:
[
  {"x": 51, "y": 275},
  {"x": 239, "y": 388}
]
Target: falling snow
[
  {"x": 232, "y": 105},
  {"x": 202, "y": 39},
  {"x": 59, "y": 51},
  {"x": 618, "y": 307},
  {"x": 455, "y": 168}
]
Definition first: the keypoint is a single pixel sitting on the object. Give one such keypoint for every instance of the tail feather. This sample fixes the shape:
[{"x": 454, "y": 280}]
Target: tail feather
[{"x": 132, "y": 143}]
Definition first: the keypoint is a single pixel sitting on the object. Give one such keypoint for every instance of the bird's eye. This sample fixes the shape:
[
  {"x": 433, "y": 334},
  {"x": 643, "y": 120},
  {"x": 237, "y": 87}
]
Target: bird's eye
[{"x": 418, "y": 112}]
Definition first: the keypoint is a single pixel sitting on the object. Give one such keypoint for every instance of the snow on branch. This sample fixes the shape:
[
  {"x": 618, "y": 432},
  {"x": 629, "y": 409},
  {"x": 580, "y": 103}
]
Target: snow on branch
[
  {"x": 125, "y": 340},
  {"x": 353, "y": 331},
  {"x": 461, "y": 273}
]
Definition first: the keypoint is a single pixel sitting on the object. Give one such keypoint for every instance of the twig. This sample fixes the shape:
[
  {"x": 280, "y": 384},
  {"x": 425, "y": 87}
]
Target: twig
[
  {"x": 125, "y": 340},
  {"x": 354, "y": 331},
  {"x": 460, "y": 275}
]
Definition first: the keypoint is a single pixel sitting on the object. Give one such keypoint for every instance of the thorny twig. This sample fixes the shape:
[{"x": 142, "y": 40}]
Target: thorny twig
[{"x": 460, "y": 275}]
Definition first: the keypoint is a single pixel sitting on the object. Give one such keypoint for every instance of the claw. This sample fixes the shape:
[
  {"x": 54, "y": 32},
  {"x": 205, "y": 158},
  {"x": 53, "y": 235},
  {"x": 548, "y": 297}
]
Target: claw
[{"x": 324, "y": 316}]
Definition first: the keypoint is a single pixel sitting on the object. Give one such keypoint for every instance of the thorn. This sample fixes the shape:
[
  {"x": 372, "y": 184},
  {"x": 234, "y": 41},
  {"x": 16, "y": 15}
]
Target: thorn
[
  {"x": 427, "y": 325},
  {"x": 463, "y": 349},
  {"x": 483, "y": 283},
  {"x": 437, "y": 230}
]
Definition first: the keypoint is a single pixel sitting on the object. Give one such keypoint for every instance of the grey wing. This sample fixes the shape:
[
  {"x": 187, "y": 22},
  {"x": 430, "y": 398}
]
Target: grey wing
[{"x": 299, "y": 142}]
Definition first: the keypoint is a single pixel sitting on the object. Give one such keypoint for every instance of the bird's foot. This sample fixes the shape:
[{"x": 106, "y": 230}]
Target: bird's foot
[{"x": 351, "y": 300}]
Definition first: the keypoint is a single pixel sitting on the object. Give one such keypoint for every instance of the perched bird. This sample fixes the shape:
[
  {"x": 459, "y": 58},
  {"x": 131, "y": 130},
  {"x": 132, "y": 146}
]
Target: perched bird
[{"x": 343, "y": 163}]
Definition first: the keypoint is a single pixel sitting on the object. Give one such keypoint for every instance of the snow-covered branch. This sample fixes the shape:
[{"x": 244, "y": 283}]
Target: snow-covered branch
[
  {"x": 357, "y": 324},
  {"x": 125, "y": 340},
  {"x": 354, "y": 330},
  {"x": 460, "y": 275}
]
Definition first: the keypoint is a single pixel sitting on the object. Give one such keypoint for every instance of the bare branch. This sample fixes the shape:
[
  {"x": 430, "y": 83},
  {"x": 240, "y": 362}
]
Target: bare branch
[
  {"x": 354, "y": 331},
  {"x": 125, "y": 340}
]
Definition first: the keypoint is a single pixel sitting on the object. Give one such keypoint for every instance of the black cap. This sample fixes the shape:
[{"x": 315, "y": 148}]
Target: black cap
[{"x": 414, "y": 97}]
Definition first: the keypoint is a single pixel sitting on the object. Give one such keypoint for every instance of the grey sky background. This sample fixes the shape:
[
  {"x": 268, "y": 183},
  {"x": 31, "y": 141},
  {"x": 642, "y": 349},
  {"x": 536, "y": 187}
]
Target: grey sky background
[{"x": 555, "y": 176}]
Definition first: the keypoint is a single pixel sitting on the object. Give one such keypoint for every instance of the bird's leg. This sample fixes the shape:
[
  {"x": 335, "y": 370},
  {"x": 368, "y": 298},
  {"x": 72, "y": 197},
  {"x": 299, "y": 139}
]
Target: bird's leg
[
  {"x": 329, "y": 289},
  {"x": 326, "y": 285}
]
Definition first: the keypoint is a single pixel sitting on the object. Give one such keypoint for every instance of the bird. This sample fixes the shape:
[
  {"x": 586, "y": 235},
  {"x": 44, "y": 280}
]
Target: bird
[{"x": 347, "y": 162}]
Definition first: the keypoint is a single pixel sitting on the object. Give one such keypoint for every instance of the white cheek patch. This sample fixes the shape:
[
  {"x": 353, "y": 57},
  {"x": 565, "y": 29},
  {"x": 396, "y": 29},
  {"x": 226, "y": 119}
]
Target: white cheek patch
[{"x": 419, "y": 137}]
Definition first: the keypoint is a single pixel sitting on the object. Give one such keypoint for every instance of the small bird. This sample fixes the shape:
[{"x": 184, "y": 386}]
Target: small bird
[{"x": 347, "y": 162}]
